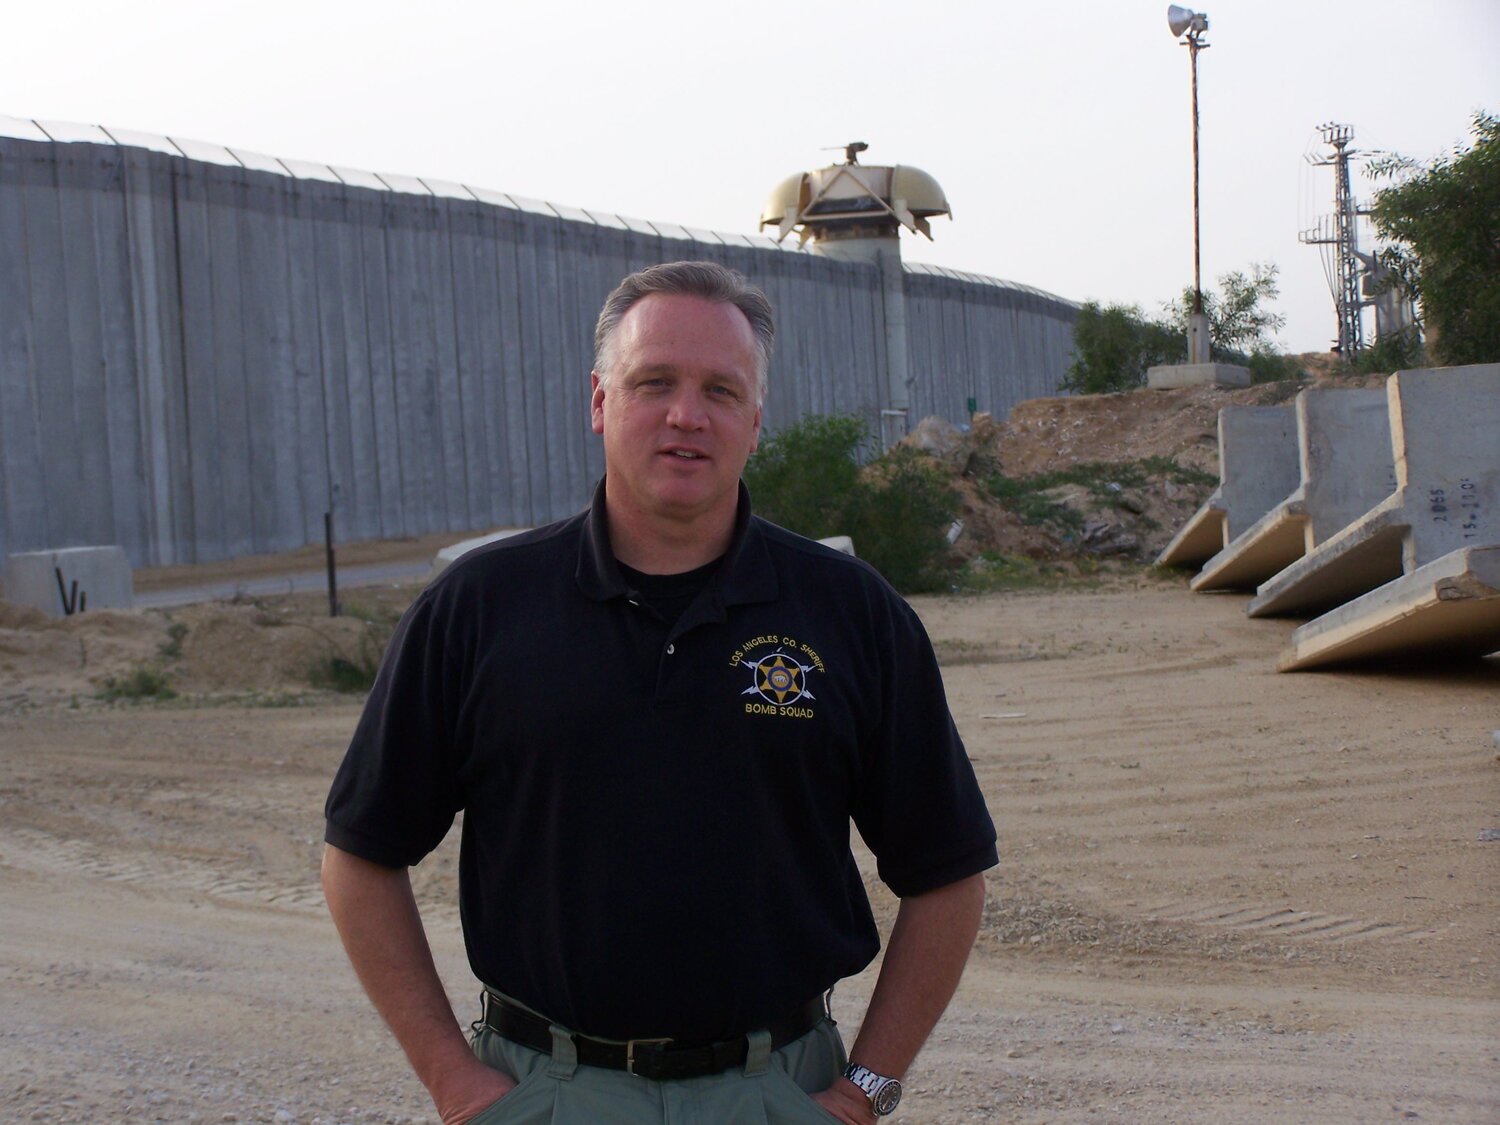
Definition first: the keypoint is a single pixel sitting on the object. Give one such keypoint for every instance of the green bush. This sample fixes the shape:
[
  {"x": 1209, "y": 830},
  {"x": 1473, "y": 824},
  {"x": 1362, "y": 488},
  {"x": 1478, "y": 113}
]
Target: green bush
[
  {"x": 804, "y": 477},
  {"x": 1114, "y": 345},
  {"x": 171, "y": 648},
  {"x": 1270, "y": 367},
  {"x": 808, "y": 479},
  {"x": 350, "y": 672},
  {"x": 899, "y": 519},
  {"x": 141, "y": 682},
  {"x": 1397, "y": 351}
]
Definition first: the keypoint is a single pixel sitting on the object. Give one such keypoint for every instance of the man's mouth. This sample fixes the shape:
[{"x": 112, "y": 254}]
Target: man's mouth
[{"x": 685, "y": 454}]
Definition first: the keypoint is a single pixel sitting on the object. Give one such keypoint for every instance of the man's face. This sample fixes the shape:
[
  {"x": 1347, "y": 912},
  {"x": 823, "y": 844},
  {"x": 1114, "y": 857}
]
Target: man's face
[{"x": 678, "y": 414}]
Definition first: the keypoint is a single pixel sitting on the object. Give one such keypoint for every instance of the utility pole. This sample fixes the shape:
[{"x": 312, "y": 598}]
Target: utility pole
[{"x": 1341, "y": 231}]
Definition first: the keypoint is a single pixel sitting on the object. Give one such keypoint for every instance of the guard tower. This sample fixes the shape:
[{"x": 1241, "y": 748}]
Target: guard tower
[{"x": 855, "y": 212}]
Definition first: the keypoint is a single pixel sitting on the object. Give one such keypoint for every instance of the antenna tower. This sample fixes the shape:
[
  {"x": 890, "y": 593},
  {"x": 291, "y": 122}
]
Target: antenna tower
[{"x": 1340, "y": 230}]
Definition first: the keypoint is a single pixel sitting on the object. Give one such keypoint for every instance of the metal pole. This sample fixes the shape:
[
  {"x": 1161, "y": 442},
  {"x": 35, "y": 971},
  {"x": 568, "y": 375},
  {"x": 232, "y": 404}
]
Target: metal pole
[
  {"x": 333, "y": 586},
  {"x": 1197, "y": 268}
]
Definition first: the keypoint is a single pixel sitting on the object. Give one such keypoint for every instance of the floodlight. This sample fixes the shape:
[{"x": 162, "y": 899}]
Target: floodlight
[{"x": 1180, "y": 19}]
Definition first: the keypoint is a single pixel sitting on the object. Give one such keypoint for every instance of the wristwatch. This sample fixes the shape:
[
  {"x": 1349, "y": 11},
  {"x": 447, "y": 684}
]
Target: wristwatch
[{"x": 884, "y": 1093}]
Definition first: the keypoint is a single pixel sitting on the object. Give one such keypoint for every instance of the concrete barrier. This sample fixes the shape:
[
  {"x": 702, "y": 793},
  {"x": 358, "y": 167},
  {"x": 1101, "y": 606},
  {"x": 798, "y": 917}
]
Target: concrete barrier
[
  {"x": 1345, "y": 465},
  {"x": 1169, "y": 376},
  {"x": 1446, "y": 610},
  {"x": 91, "y": 578},
  {"x": 445, "y": 558},
  {"x": 1445, "y": 439},
  {"x": 1257, "y": 468}
]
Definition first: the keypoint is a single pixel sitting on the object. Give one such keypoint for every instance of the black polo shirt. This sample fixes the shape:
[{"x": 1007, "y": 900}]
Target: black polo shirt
[{"x": 656, "y": 818}]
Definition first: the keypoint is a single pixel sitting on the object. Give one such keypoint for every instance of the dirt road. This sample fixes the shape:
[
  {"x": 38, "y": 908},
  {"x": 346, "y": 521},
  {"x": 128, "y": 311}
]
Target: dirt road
[{"x": 1227, "y": 895}]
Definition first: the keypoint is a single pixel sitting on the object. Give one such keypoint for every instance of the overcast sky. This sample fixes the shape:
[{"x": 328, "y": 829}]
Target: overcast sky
[{"x": 1060, "y": 132}]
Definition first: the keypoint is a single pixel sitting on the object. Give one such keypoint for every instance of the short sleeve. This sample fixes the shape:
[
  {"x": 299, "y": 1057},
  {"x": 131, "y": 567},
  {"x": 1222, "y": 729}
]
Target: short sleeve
[
  {"x": 919, "y": 806},
  {"x": 394, "y": 796}
]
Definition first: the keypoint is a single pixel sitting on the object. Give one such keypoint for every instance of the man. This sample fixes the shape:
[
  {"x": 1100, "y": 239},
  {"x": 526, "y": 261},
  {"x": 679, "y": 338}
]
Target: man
[{"x": 658, "y": 718}]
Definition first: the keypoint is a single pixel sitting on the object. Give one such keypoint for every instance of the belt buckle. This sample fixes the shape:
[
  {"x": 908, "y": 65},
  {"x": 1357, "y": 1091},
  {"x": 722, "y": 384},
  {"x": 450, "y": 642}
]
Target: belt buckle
[{"x": 630, "y": 1045}]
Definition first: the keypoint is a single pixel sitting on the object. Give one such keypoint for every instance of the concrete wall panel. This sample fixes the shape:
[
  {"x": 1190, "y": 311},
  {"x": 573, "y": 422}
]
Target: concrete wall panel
[
  {"x": 52, "y": 359},
  {"x": 208, "y": 358},
  {"x": 125, "y": 477},
  {"x": 313, "y": 433},
  {"x": 23, "y": 470}
]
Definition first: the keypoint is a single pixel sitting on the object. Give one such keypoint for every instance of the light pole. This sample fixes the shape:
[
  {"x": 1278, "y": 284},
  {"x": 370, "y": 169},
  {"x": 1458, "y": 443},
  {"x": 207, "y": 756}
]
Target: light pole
[{"x": 1195, "y": 24}]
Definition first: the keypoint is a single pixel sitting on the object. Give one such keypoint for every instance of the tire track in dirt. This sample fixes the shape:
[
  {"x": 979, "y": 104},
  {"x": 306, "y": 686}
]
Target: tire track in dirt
[
  {"x": 42, "y": 853},
  {"x": 1282, "y": 922}
]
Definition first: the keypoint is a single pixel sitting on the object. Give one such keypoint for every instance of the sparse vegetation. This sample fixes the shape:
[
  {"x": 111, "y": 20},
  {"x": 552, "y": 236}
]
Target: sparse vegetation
[
  {"x": 992, "y": 572},
  {"x": 381, "y": 615},
  {"x": 141, "y": 682},
  {"x": 1397, "y": 351},
  {"x": 1028, "y": 497},
  {"x": 349, "y": 672},
  {"x": 171, "y": 648}
]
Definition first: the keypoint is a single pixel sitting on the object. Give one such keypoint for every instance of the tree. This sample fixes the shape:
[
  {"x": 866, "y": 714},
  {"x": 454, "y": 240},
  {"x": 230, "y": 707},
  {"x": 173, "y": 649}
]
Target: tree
[
  {"x": 1443, "y": 223},
  {"x": 1113, "y": 346},
  {"x": 1238, "y": 323}
]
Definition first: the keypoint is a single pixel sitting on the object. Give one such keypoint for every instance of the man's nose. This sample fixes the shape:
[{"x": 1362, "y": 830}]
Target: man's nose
[{"x": 686, "y": 412}]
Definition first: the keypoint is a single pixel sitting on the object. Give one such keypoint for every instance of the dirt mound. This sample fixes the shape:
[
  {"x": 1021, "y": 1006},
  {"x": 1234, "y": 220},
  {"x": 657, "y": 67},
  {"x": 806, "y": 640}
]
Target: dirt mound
[
  {"x": 279, "y": 645},
  {"x": 44, "y": 658},
  {"x": 251, "y": 647},
  {"x": 1080, "y": 478}
]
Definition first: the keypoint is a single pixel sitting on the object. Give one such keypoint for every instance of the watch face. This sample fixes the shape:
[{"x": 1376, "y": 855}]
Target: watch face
[{"x": 887, "y": 1097}]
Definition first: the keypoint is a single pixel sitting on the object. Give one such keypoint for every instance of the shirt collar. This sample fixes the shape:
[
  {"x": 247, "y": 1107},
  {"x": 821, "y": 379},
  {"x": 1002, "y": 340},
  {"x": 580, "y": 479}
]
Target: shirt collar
[{"x": 745, "y": 575}]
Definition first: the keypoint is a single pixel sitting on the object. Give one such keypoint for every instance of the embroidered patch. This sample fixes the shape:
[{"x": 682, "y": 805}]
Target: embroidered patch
[{"x": 779, "y": 668}]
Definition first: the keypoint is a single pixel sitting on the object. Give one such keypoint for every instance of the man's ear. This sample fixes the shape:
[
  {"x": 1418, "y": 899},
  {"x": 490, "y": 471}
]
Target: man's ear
[{"x": 596, "y": 402}]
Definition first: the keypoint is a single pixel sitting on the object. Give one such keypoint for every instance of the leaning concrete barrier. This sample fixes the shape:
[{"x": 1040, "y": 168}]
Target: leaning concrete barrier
[
  {"x": 1448, "y": 609},
  {"x": 1257, "y": 468},
  {"x": 451, "y": 553},
  {"x": 1346, "y": 466},
  {"x": 70, "y": 580},
  {"x": 1445, "y": 438}
]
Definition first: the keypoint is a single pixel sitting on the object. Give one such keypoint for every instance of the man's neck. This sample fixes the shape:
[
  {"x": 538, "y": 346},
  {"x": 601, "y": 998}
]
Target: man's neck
[{"x": 660, "y": 546}]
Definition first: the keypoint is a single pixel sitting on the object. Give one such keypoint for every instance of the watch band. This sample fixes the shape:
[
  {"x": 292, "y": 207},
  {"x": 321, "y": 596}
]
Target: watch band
[{"x": 884, "y": 1093}]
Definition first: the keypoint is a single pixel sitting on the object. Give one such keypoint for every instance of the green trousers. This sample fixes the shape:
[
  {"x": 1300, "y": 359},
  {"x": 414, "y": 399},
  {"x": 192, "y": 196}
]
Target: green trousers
[{"x": 772, "y": 1089}]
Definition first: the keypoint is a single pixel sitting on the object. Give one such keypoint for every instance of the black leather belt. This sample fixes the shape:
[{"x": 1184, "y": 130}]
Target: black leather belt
[{"x": 658, "y": 1059}]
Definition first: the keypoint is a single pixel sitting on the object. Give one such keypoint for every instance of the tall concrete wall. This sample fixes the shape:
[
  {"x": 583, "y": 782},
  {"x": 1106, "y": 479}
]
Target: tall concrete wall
[{"x": 198, "y": 360}]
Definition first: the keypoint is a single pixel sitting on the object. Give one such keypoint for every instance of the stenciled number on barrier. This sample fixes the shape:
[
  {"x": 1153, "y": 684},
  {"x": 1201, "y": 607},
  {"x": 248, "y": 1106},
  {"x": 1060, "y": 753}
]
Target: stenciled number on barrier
[
  {"x": 1468, "y": 507},
  {"x": 1439, "y": 504}
]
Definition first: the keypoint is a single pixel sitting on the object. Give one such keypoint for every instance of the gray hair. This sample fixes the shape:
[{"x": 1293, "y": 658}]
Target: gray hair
[{"x": 708, "y": 280}]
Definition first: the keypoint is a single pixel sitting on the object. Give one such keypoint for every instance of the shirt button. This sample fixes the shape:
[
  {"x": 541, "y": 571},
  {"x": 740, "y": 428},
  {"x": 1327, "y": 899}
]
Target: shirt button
[{"x": 671, "y": 649}]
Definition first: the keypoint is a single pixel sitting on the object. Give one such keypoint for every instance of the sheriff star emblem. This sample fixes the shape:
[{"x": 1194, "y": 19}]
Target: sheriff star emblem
[{"x": 779, "y": 679}]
